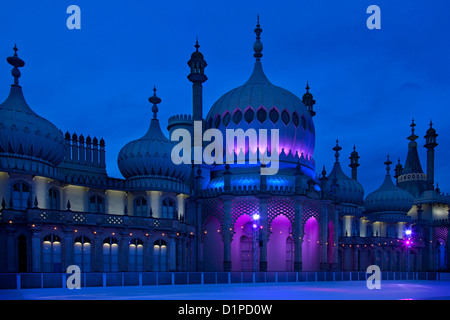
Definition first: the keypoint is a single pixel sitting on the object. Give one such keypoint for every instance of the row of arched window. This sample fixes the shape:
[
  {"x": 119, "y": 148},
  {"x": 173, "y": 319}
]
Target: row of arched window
[
  {"x": 391, "y": 231},
  {"x": 52, "y": 260},
  {"x": 21, "y": 199}
]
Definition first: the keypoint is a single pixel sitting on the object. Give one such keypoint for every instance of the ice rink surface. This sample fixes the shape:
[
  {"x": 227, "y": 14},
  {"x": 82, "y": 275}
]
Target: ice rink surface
[{"x": 357, "y": 290}]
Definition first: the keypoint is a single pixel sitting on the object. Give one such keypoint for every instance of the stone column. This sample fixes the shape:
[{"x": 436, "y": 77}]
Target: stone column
[
  {"x": 323, "y": 238},
  {"x": 198, "y": 236},
  {"x": 179, "y": 249},
  {"x": 68, "y": 249},
  {"x": 97, "y": 252},
  {"x": 172, "y": 255},
  {"x": 36, "y": 249},
  {"x": 335, "y": 240},
  {"x": 149, "y": 252},
  {"x": 11, "y": 249},
  {"x": 263, "y": 232},
  {"x": 447, "y": 247},
  {"x": 185, "y": 266},
  {"x": 124, "y": 250},
  {"x": 298, "y": 233},
  {"x": 226, "y": 233}
]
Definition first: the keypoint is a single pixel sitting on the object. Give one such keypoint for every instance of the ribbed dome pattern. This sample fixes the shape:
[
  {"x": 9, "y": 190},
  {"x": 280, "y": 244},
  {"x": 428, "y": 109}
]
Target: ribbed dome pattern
[
  {"x": 259, "y": 104},
  {"x": 150, "y": 156},
  {"x": 25, "y": 134},
  {"x": 388, "y": 198},
  {"x": 348, "y": 190}
]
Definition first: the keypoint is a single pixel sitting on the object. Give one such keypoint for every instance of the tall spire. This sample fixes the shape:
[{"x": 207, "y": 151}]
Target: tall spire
[
  {"x": 258, "y": 46},
  {"x": 17, "y": 63},
  {"x": 337, "y": 148},
  {"x": 430, "y": 144},
  {"x": 354, "y": 163},
  {"x": 412, "y": 137},
  {"x": 197, "y": 76},
  {"x": 155, "y": 101}
]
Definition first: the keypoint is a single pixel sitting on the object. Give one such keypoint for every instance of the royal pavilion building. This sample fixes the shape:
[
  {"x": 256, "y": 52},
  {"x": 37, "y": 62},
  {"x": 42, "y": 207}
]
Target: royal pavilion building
[{"x": 60, "y": 208}]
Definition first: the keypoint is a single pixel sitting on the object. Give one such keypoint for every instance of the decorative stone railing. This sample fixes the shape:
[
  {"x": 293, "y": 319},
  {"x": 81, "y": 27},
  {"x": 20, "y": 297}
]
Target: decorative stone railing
[{"x": 74, "y": 218}]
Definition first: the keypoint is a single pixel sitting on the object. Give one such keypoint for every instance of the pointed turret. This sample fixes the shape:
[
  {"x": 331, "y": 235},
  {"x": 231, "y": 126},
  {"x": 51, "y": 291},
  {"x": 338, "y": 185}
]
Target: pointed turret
[
  {"x": 309, "y": 101},
  {"x": 197, "y": 76},
  {"x": 354, "y": 163},
  {"x": 430, "y": 139},
  {"x": 412, "y": 179}
]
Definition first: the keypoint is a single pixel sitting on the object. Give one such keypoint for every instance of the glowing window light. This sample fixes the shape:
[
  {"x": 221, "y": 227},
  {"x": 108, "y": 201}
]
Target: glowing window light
[
  {"x": 408, "y": 232},
  {"x": 255, "y": 216}
]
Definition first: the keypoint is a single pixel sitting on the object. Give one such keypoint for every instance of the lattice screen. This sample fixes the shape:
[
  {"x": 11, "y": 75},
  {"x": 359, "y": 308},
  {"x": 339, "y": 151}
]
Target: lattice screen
[
  {"x": 277, "y": 206},
  {"x": 212, "y": 207},
  {"x": 441, "y": 233},
  {"x": 243, "y": 205},
  {"x": 311, "y": 208}
]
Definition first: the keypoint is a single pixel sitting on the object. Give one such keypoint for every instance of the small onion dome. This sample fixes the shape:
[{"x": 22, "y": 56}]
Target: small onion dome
[
  {"x": 346, "y": 189},
  {"x": 388, "y": 198},
  {"x": 150, "y": 156},
  {"x": 23, "y": 133}
]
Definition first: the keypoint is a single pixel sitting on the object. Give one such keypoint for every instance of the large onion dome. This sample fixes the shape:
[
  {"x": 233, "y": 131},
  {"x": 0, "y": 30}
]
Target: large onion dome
[
  {"x": 259, "y": 104},
  {"x": 150, "y": 156},
  {"x": 345, "y": 189},
  {"x": 27, "y": 141},
  {"x": 388, "y": 198}
]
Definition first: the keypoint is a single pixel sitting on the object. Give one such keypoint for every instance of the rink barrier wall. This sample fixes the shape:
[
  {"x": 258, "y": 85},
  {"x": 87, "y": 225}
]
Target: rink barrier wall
[{"x": 112, "y": 279}]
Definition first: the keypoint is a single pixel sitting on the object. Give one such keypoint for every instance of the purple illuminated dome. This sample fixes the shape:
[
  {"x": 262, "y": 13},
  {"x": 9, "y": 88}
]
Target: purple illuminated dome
[{"x": 259, "y": 104}]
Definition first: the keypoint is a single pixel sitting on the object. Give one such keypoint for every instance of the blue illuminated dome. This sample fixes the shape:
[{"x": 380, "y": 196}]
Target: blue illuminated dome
[{"x": 26, "y": 139}]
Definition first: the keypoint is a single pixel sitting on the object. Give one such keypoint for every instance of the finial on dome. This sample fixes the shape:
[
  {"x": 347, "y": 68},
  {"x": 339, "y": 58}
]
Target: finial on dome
[
  {"x": 196, "y": 44},
  {"x": 388, "y": 163},
  {"x": 258, "y": 46},
  {"x": 412, "y": 137},
  {"x": 337, "y": 148},
  {"x": 17, "y": 63},
  {"x": 307, "y": 86},
  {"x": 154, "y": 100}
]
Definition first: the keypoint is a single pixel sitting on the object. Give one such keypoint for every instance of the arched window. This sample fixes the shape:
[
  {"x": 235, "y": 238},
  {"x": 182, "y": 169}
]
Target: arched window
[
  {"x": 159, "y": 255},
  {"x": 140, "y": 207},
  {"x": 53, "y": 198},
  {"x": 21, "y": 195},
  {"x": 96, "y": 204},
  {"x": 110, "y": 255},
  {"x": 136, "y": 255},
  {"x": 51, "y": 253},
  {"x": 82, "y": 253},
  {"x": 168, "y": 208},
  {"x": 290, "y": 254}
]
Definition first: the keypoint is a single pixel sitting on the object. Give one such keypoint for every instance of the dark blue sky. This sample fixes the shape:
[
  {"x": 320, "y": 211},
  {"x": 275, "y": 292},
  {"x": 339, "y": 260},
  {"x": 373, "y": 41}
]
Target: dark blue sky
[{"x": 368, "y": 84}]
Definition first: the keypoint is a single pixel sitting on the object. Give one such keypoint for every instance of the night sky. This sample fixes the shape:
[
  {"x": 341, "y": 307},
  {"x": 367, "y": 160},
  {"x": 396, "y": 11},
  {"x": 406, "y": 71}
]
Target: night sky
[{"x": 368, "y": 84}]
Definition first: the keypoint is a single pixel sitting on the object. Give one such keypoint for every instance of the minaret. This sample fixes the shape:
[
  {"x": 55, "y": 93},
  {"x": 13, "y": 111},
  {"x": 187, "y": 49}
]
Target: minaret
[
  {"x": 197, "y": 76},
  {"x": 308, "y": 101},
  {"x": 430, "y": 139},
  {"x": 398, "y": 171},
  {"x": 354, "y": 164}
]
